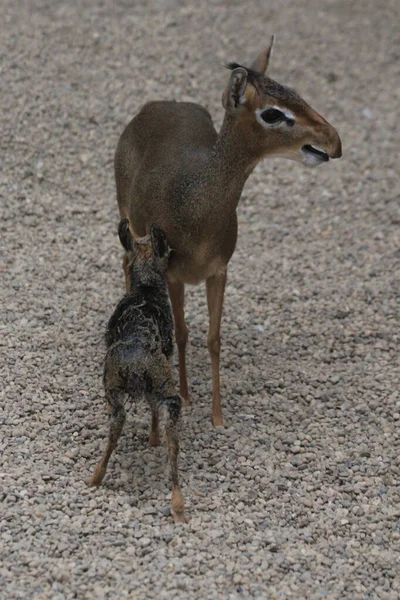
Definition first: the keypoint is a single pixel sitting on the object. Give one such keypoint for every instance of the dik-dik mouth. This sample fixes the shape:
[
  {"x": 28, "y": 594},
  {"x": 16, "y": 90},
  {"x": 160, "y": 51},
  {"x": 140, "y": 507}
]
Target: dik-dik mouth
[{"x": 313, "y": 155}]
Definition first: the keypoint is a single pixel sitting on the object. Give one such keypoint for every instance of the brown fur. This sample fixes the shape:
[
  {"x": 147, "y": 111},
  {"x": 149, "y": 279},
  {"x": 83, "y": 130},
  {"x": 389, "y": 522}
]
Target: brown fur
[{"x": 172, "y": 168}]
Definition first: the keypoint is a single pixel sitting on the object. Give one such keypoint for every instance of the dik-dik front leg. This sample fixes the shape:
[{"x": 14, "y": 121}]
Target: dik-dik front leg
[
  {"x": 215, "y": 300},
  {"x": 177, "y": 295}
]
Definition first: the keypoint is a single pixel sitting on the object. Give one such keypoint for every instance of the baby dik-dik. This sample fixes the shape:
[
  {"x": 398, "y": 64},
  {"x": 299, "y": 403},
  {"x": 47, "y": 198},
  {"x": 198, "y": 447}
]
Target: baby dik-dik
[{"x": 139, "y": 340}]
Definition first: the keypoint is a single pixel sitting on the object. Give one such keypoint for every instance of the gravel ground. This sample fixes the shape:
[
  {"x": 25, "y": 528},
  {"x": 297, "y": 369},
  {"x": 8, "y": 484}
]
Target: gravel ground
[{"x": 299, "y": 496}]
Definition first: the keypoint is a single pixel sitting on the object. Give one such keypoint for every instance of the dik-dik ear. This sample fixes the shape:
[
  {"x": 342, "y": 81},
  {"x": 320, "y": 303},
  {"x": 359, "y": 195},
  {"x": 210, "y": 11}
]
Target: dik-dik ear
[
  {"x": 234, "y": 95},
  {"x": 159, "y": 243},
  {"x": 125, "y": 235},
  {"x": 262, "y": 61}
]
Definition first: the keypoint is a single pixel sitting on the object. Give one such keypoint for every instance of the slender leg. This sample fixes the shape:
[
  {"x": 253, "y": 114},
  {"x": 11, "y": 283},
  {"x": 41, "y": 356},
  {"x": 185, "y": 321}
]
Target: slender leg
[
  {"x": 177, "y": 295},
  {"x": 174, "y": 405},
  {"x": 118, "y": 416},
  {"x": 215, "y": 300}
]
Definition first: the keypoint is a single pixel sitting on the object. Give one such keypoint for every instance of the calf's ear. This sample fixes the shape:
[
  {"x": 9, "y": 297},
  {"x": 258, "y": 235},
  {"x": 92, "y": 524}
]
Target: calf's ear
[{"x": 125, "y": 235}]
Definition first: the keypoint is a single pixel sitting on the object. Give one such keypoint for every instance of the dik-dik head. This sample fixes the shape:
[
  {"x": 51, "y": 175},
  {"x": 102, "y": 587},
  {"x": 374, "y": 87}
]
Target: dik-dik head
[
  {"x": 147, "y": 257},
  {"x": 274, "y": 119}
]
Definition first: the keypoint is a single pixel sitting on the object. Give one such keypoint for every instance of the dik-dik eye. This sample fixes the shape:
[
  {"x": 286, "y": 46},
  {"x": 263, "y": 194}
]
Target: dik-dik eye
[{"x": 272, "y": 115}]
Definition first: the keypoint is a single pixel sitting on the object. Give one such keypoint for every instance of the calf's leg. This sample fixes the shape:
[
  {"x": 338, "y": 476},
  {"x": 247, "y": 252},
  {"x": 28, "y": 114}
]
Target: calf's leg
[
  {"x": 118, "y": 416},
  {"x": 174, "y": 405}
]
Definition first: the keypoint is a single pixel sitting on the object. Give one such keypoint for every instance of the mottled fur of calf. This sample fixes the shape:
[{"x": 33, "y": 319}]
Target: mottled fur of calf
[{"x": 139, "y": 338}]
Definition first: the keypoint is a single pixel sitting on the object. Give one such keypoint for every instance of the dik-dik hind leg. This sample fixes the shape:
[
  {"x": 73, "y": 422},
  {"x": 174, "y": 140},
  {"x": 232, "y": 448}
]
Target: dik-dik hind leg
[
  {"x": 174, "y": 405},
  {"x": 177, "y": 295},
  {"x": 215, "y": 300},
  {"x": 118, "y": 416}
]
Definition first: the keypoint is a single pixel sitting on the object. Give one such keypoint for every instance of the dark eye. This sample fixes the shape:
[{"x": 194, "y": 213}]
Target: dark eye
[{"x": 272, "y": 115}]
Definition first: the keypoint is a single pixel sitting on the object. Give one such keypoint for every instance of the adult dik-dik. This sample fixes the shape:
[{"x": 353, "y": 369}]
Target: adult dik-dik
[{"x": 173, "y": 169}]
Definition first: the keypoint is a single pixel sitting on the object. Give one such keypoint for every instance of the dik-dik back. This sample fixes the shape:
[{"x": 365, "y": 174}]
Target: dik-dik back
[
  {"x": 163, "y": 155},
  {"x": 161, "y": 152}
]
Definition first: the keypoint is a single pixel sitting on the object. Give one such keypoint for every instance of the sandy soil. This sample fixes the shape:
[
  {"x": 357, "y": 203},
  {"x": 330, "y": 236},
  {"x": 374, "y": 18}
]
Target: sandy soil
[{"x": 299, "y": 496}]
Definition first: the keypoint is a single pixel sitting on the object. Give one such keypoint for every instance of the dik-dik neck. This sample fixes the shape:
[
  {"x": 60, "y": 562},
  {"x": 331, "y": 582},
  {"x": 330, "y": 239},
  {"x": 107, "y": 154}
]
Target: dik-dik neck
[{"x": 230, "y": 163}]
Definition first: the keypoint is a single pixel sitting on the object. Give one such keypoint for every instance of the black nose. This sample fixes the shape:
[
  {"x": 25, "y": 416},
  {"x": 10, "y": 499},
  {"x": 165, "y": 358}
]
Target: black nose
[{"x": 337, "y": 153}]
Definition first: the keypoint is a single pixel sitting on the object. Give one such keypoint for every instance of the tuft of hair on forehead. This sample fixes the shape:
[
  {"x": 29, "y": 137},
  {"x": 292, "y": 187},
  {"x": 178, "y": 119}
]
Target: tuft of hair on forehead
[{"x": 266, "y": 85}]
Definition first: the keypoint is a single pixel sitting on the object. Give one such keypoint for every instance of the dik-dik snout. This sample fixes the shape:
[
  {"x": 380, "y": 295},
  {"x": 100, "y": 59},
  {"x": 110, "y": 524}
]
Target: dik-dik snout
[
  {"x": 275, "y": 120},
  {"x": 322, "y": 141}
]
